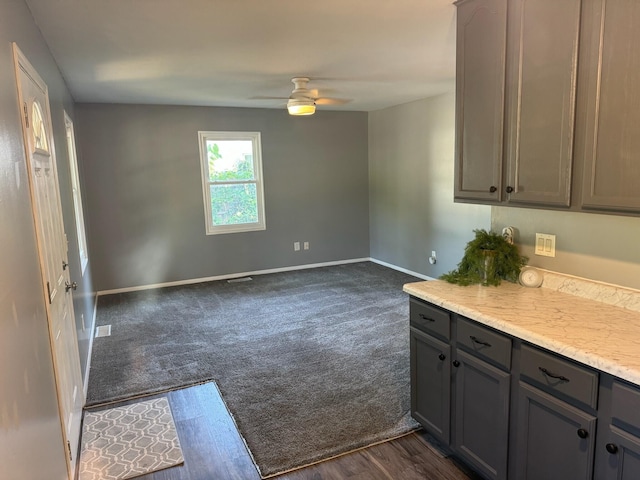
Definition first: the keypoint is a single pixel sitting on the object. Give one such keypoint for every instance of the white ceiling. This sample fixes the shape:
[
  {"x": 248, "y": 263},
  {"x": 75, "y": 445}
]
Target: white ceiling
[{"x": 376, "y": 53}]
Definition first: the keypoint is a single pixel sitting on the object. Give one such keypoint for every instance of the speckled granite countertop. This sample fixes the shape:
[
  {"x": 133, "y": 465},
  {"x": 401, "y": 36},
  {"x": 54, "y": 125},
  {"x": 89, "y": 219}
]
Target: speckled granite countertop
[{"x": 597, "y": 334}]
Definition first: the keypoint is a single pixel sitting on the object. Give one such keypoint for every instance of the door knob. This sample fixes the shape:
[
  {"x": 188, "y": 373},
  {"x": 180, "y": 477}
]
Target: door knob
[{"x": 70, "y": 286}]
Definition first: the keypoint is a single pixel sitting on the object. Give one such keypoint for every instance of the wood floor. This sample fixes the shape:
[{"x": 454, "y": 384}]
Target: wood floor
[{"x": 214, "y": 450}]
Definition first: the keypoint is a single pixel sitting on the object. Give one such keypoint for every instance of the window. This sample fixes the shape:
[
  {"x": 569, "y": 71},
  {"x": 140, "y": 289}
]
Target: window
[
  {"x": 232, "y": 181},
  {"x": 75, "y": 190}
]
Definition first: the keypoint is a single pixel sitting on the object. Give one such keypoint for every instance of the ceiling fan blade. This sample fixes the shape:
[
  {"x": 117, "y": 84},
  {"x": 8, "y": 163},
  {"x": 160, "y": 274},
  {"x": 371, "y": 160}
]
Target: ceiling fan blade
[
  {"x": 331, "y": 101},
  {"x": 260, "y": 97}
]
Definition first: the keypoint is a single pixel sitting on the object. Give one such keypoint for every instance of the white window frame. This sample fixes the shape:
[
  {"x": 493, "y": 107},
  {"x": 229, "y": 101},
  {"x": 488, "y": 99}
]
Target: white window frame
[
  {"x": 254, "y": 137},
  {"x": 76, "y": 193}
]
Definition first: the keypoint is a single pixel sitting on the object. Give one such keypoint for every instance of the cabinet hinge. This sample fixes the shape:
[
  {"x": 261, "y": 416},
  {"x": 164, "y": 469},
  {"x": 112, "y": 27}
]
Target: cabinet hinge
[
  {"x": 26, "y": 114},
  {"x": 69, "y": 450}
]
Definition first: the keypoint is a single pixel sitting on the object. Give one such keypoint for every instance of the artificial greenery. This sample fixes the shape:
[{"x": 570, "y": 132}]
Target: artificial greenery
[{"x": 488, "y": 259}]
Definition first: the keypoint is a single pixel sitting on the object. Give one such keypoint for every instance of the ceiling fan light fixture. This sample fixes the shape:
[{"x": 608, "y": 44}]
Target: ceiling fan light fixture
[{"x": 301, "y": 106}]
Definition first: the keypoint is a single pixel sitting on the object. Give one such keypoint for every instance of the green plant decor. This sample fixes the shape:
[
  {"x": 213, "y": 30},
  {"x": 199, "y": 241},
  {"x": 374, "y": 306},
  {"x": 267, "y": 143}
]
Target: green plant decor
[{"x": 488, "y": 259}]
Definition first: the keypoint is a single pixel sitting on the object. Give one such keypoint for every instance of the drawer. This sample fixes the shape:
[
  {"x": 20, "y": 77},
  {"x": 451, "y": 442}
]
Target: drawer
[
  {"x": 484, "y": 343},
  {"x": 560, "y": 376},
  {"x": 430, "y": 319},
  {"x": 625, "y": 404}
]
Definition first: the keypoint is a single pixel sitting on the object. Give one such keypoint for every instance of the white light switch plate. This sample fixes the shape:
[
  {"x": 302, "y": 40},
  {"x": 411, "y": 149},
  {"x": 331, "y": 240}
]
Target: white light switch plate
[{"x": 545, "y": 245}]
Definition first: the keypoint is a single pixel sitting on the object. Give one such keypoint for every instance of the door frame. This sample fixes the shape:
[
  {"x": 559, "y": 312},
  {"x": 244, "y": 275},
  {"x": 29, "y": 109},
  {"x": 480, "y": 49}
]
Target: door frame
[{"x": 24, "y": 67}]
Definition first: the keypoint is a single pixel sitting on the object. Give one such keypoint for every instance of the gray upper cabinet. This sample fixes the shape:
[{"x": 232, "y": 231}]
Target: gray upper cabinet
[
  {"x": 609, "y": 140},
  {"x": 481, "y": 43},
  {"x": 516, "y": 84},
  {"x": 542, "y": 62},
  {"x": 548, "y": 104}
]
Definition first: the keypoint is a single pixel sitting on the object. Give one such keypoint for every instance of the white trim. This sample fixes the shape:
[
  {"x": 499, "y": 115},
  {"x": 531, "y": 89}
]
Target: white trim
[
  {"x": 76, "y": 192},
  {"x": 232, "y": 275},
  {"x": 256, "y": 144},
  {"x": 400, "y": 269},
  {"x": 87, "y": 369}
]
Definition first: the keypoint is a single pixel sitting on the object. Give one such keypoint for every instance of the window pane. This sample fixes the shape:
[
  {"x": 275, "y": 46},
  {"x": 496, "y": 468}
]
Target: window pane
[
  {"x": 234, "y": 204},
  {"x": 230, "y": 160}
]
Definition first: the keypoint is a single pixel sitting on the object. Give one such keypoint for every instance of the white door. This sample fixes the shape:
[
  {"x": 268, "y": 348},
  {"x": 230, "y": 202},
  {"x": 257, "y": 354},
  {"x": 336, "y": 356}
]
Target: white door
[{"x": 52, "y": 249}]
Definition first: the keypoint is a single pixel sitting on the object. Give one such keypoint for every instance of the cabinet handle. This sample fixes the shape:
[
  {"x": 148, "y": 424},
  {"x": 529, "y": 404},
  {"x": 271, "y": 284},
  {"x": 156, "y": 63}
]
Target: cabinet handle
[
  {"x": 442, "y": 356},
  {"x": 478, "y": 341},
  {"x": 553, "y": 375},
  {"x": 456, "y": 363},
  {"x": 611, "y": 448},
  {"x": 582, "y": 433},
  {"x": 493, "y": 189},
  {"x": 509, "y": 189},
  {"x": 424, "y": 317}
]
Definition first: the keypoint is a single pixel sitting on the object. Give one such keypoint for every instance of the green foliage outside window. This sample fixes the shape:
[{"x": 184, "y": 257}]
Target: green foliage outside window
[{"x": 233, "y": 194}]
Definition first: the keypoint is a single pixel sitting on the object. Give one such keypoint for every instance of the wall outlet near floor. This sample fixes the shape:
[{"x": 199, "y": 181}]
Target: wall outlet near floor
[
  {"x": 545, "y": 245},
  {"x": 296, "y": 246},
  {"x": 306, "y": 245}
]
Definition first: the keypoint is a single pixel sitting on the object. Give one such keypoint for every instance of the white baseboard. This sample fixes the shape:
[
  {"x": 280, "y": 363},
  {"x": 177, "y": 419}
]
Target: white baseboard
[
  {"x": 232, "y": 275},
  {"x": 400, "y": 269},
  {"x": 92, "y": 331}
]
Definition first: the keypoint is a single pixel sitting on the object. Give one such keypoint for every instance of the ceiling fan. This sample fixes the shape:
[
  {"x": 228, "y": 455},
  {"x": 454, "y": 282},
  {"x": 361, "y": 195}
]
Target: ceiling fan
[{"x": 303, "y": 100}]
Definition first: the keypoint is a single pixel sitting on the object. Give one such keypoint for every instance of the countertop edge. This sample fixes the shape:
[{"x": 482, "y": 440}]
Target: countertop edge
[{"x": 591, "y": 359}]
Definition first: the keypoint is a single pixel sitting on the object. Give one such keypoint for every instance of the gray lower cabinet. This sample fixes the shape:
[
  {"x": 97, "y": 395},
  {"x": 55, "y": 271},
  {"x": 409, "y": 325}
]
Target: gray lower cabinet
[
  {"x": 430, "y": 383},
  {"x": 463, "y": 400},
  {"x": 481, "y": 414},
  {"x": 512, "y": 410},
  {"x": 555, "y": 440},
  {"x": 622, "y": 460},
  {"x": 618, "y": 448}
]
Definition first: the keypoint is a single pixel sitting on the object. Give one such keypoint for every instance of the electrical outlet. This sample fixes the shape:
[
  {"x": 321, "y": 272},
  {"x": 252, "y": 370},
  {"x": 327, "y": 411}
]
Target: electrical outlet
[
  {"x": 545, "y": 245},
  {"x": 306, "y": 245},
  {"x": 296, "y": 246}
]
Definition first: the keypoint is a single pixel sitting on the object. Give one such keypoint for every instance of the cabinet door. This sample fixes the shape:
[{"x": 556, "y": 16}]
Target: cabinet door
[
  {"x": 430, "y": 383},
  {"x": 482, "y": 415},
  {"x": 609, "y": 142},
  {"x": 555, "y": 440},
  {"x": 622, "y": 455},
  {"x": 541, "y": 85},
  {"x": 481, "y": 37}
]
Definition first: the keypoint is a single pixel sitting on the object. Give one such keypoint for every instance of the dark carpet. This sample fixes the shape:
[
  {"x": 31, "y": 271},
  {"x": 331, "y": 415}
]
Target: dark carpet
[{"x": 311, "y": 363}]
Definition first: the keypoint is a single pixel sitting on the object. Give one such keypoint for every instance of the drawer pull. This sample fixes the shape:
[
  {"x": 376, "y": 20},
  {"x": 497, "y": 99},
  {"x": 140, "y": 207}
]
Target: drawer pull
[
  {"x": 611, "y": 448},
  {"x": 553, "y": 375},
  {"x": 424, "y": 317},
  {"x": 475, "y": 339},
  {"x": 582, "y": 433}
]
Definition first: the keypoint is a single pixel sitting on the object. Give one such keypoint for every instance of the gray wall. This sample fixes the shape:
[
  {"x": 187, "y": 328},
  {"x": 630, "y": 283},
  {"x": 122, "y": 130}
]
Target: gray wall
[
  {"x": 30, "y": 433},
  {"x": 411, "y": 188},
  {"x": 144, "y": 196},
  {"x": 600, "y": 247}
]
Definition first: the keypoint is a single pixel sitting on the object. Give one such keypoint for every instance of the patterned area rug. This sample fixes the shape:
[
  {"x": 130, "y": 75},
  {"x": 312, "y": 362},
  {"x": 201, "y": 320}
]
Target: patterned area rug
[{"x": 128, "y": 441}]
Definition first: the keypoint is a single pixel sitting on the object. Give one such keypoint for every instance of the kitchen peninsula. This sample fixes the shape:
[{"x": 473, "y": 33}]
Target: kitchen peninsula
[{"x": 530, "y": 382}]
